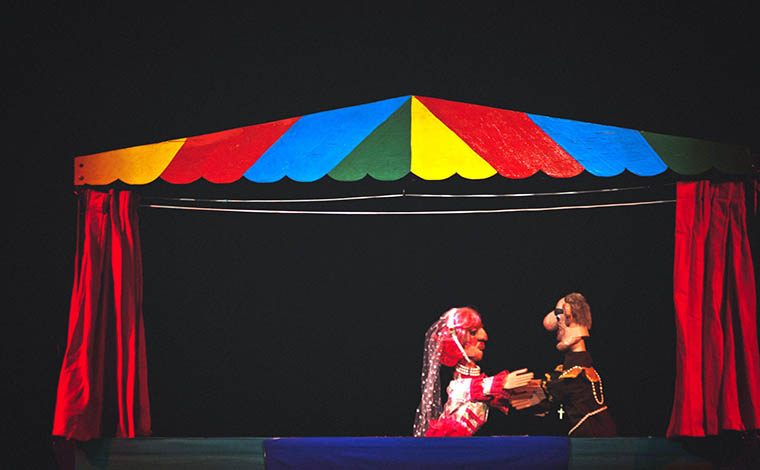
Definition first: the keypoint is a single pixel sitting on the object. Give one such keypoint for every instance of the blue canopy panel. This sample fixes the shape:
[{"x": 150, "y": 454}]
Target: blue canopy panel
[
  {"x": 325, "y": 138},
  {"x": 602, "y": 150}
]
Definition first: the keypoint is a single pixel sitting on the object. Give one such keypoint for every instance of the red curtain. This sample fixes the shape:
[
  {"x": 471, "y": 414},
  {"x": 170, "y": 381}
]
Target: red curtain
[
  {"x": 103, "y": 388},
  {"x": 717, "y": 359}
]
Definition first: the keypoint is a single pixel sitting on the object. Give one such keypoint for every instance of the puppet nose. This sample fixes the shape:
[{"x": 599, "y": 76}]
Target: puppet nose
[
  {"x": 550, "y": 321},
  {"x": 481, "y": 335}
]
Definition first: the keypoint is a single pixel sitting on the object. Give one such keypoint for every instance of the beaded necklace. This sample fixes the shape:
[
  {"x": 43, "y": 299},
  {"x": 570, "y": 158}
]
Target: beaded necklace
[
  {"x": 468, "y": 371},
  {"x": 593, "y": 388}
]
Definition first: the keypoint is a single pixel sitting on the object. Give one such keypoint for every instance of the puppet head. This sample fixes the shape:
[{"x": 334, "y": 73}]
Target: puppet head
[
  {"x": 571, "y": 318},
  {"x": 462, "y": 336}
]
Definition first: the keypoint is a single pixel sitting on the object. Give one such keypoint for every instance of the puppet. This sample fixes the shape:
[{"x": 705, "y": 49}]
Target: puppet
[
  {"x": 457, "y": 340},
  {"x": 574, "y": 387}
]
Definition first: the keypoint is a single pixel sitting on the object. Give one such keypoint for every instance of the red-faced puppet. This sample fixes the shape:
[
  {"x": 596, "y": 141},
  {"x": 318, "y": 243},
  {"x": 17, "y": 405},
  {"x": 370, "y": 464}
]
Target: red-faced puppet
[{"x": 458, "y": 339}]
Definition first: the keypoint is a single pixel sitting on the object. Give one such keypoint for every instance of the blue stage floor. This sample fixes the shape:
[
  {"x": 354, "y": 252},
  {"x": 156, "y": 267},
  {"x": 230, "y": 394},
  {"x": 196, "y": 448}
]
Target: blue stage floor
[{"x": 528, "y": 452}]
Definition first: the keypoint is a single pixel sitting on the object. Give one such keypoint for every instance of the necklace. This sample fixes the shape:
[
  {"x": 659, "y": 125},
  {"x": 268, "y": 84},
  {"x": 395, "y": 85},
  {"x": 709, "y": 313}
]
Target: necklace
[
  {"x": 601, "y": 392},
  {"x": 468, "y": 371},
  {"x": 599, "y": 401}
]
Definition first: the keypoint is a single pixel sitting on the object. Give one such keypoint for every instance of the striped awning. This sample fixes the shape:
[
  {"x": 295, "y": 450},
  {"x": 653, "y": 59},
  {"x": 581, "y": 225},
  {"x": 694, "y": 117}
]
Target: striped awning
[{"x": 432, "y": 138}]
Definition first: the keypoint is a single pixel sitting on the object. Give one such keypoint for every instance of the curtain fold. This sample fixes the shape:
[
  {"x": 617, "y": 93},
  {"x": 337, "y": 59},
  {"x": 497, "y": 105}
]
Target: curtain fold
[
  {"x": 103, "y": 388},
  {"x": 717, "y": 358}
]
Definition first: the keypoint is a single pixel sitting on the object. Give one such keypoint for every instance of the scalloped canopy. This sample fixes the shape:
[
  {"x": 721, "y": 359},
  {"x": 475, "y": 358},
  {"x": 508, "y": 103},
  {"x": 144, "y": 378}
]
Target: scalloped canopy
[{"x": 432, "y": 138}]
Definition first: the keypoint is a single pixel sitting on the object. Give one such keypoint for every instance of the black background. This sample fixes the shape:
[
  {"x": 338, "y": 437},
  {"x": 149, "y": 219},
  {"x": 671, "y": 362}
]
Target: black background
[
  {"x": 313, "y": 325},
  {"x": 284, "y": 325}
]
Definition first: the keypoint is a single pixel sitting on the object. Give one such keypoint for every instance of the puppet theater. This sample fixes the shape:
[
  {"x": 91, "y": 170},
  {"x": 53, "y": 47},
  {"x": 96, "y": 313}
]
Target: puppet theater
[{"x": 257, "y": 297}]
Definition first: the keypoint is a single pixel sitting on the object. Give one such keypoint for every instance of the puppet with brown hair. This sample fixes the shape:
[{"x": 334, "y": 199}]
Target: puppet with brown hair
[
  {"x": 457, "y": 340},
  {"x": 574, "y": 387}
]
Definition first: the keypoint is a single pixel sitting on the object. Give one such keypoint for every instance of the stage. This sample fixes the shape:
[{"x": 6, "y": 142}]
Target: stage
[{"x": 524, "y": 452}]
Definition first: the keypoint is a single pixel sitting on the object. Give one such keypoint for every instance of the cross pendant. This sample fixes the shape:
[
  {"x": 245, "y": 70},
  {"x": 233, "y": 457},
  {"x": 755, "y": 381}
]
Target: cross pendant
[{"x": 560, "y": 412}]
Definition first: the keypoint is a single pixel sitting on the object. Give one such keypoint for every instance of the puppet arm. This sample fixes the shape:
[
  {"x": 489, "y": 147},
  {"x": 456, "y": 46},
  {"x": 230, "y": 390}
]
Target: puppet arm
[
  {"x": 496, "y": 390},
  {"x": 487, "y": 388}
]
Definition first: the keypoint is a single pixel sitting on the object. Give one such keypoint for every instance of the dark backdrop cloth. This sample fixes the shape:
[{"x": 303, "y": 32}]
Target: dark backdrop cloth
[
  {"x": 103, "y": 389},
  {"x": 717, "y": 385}
]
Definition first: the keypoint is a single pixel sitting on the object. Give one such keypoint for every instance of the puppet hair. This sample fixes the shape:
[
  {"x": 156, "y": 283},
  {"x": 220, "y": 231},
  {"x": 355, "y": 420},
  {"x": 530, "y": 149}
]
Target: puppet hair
[{"x": 580, "y": 308}]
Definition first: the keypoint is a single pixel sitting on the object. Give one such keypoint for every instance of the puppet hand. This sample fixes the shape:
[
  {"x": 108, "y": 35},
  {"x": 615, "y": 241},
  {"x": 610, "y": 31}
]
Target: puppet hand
[
  {"x": 526, "y": 400},
  {"x": 517, "y": 379},
  {"x": 520, "y": 403},
  {"x": 530, "y": 387}
]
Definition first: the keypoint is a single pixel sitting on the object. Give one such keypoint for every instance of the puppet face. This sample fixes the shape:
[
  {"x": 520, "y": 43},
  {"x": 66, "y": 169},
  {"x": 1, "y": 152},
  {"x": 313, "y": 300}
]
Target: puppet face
[
  {"x": 476, "y": 344},
  {"x": 557, "y": 318},
  {"x": 563, "y": 319},
  {"x": 465, "y": 325}
]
